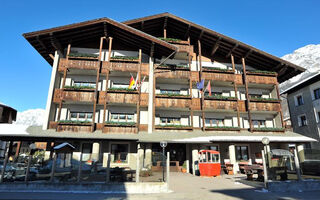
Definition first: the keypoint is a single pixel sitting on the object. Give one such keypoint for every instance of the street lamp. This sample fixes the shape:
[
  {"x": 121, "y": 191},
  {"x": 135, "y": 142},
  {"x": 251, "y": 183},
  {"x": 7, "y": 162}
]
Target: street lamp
[
  {"x": 163, "y": 144},
  {"x": 265, "y": 141}
]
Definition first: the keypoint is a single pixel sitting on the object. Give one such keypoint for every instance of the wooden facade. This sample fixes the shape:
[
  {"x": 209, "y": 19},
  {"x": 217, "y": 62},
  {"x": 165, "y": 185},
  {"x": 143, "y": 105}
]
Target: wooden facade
[{"x": 74, "y": 96}]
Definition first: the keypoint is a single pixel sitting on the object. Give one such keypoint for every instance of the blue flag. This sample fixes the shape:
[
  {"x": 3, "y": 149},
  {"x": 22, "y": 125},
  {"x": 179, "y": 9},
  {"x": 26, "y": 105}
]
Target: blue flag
[{"x": 200, "y": 85}]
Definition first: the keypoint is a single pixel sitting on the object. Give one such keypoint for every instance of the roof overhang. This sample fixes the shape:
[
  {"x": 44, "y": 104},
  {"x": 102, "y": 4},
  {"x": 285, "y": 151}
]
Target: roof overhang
[
  {"x": 214, "y": 43},
  {"x": 304, "y": 81},
  {"x": 47, "y": 41}
]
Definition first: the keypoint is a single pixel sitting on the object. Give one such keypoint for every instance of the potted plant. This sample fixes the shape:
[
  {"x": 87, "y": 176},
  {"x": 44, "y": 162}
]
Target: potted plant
[{"x": 184, "y": 167}]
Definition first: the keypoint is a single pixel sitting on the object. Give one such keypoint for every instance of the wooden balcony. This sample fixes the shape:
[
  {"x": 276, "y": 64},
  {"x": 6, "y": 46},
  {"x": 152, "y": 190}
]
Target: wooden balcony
[
  {"x": 117, "y": 97},
  {"x": 196, "y": 104},
  {"x": 172, "y": 102},
  {"x": 195, "y": 76},
  {"x": 260, "y": 106},
  {"x": 73, "y": 95},
  {"x": 144, "y": 99},
  {"x": 255, "y": 79},
  {"x": 220, "y": 105},
  {"x": 172, "y": 74},
  {"x": 168, "y": 127},
  {"x": 69, "y": 127},
  {"x": 125, "y": 67},
  {"x": 119, "y": 129},
  {"x": 78, "y": 64},
  {"x": 185, "y": 48},
  {"x": 223, "y": 77}
]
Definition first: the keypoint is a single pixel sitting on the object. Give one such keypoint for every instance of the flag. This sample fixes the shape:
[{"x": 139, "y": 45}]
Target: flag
[
  {"x": 140, "y": 84},
  {"x": 208, "y": 88},
  {"x": 200, "y": 84},
  {"x": 131, "y": 83}
]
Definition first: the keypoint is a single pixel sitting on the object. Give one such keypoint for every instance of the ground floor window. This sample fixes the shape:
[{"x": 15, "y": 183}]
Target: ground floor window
[
  {"x": 214, "y": 122},
  {"x": 119, "y": 153},
  {"x": 84, "y": 84},
  {"x": 170, "y": 121},
  {"x": 163, "y": 91},
  {"x": 242, "y": 153},
  {"x": 86, "y": 151},
  {"x": 259, "y": 123},
  {"x": 122, "y": 117},
  {"x": 81, "y": 116}
]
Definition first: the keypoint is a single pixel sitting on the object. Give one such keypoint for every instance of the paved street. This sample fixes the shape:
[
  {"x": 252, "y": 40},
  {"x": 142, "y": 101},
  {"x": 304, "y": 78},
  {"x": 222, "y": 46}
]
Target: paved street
[{"x": 185, "y": 186}]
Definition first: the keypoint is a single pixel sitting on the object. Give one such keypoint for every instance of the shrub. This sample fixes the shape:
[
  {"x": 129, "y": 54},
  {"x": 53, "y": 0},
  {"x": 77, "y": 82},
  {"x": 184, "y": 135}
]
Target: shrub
[
  {"x": 169, "y": 39},
  {"x": 125, "y": 58},
  {"x": 74, "y": 122},
  {"x": 120, "y": 123},
  {"x": 82, "y": 55},
  {"x": 78, "y": 87}
]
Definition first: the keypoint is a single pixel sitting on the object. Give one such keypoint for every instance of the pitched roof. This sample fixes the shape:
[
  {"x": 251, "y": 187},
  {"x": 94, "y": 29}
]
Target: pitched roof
[
  {"x": 89, "y": 32},
  {"x": 214, "y": 43}
]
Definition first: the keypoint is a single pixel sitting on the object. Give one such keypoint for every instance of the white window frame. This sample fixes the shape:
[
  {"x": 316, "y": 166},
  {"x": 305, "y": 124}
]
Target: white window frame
[
  {"x": 296, "y": 99},
  {"x": 300, "y": 122},
  {"x": 126, "y": 117},
  {"x": 78, "y": 114}
]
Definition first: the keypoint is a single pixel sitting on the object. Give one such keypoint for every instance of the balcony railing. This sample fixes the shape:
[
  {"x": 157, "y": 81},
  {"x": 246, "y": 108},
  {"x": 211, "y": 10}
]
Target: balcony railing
[
  {"x": 173, "y": 127},
  {"x": 220, "y": 105},
  {"x": 261, "y": 106},
  {"x": 84, "y": 95},
  {"x": 125, "y": 67},
  {"x": 78, "y": 64},
  {"x": 258, "y": 79},
  {"x": 167, "y": 101},
  {"x": 118, "y": 97},
  {"x": 223, "y": 77},
  {"x": 172, "y": 74},
  {"x": 114, "y": 127},
  {"x": 73, "y": 126}
]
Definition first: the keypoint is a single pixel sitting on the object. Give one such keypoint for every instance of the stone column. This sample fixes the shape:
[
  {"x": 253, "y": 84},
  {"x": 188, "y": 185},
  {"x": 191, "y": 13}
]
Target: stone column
[
  {"x": 148, "y": 156},
  {"x": 300, "y": 149},
  {"x": 138, "y": 162},
  {"x": 195, "y": 157},
  {"x": 95, "y": 151},
  {"x": 232, "y": 157}
]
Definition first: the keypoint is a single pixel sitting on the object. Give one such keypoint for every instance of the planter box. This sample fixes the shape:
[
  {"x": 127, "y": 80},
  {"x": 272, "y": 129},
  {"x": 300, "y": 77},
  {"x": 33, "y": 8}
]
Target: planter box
[
  {"x": 72, "y": 127},
  {"x": 173, "y": 127},
  {"x": 262, "y": 74},
  {"x": 119, "y": 129}
]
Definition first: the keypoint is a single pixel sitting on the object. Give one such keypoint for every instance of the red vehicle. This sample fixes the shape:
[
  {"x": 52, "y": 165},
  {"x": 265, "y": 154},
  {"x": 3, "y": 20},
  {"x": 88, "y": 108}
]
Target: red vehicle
[{"x": 209, "y": 163}]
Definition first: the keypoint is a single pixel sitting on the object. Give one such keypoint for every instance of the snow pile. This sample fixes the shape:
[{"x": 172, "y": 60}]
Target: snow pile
[
  {"x": 307, "y": 57},
  {"x": 32, "y": 117}
]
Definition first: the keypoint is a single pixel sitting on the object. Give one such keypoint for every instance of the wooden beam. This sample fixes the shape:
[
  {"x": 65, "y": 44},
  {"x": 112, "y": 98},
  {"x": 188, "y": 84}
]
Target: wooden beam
[
  {"x": 105, "y": 29},
  {"x": 55, "y": 43},
  {"x": 282, "y": 70},
  {"x": 187, "y": 31},
  {"x": 105, "y": 100},
  {"x": 51, "y": 56},
  {"x": 247, "y": 93},
  {"x": 215, "y": 47},
  {"x": 230, "y": 52},
  {"x": 139, "y": 89},
  {"x": 142, "y": 25},
  {"x": 202, "y": 93},
  {"x": 41, "y": 43},
  {"x": 100, "y": 49},
  {"x": 201, "y": 34},
  {"x": 165, "y": 27},
  {"x": 110, "y": 48}
]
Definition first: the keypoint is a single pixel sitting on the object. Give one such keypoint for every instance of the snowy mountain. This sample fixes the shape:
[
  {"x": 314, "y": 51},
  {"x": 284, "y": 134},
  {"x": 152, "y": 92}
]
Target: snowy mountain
[
  {"x": 32, "y": 117},
  {"x": 307, "y": 57}
]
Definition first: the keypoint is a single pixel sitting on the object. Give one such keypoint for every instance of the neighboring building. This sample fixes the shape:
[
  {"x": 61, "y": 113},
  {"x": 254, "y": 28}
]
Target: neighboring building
[
  {"x": 7, "y": 116},
  {"x": 304, "y": 106},
  {"x": 90, "y": 106}
]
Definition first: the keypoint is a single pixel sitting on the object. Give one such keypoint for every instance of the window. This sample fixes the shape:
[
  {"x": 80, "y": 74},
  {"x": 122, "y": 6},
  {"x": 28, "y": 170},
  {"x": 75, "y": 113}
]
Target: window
[
  {"x": 122, "y": 117},
  {"x": 86, "y": 151},
  {"x": 299, "y": 100},
  {"x": 214, "y": 122},
  {"x": 242, "y": 153},
  {"x": 169, "y": 91},
  {"x": 213, "y": 93},
  {"x": 81, "y": 116},
  {"x": 259, "y": 123},
  {"x": 302, "y": 120},
  {"x": 120, "y": 85},
  {"x": 119, "y": 153},
  {"x": 84, "y": 84},
  {"x": 170, "y": 121},
  {"x": 316, "y": 93}
]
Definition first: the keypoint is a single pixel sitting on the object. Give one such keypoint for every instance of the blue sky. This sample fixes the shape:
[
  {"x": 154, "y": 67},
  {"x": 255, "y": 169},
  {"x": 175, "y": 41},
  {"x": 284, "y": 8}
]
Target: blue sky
[{"x": 275, "y": 26}]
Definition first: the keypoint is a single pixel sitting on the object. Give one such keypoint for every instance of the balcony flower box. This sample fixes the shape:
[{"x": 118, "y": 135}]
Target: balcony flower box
[
  {"x": 174, "y": 40},
  {"x": 174, "y": 96},
  {"x": 220, "y": 97},
  {"x": 124, "y": 58},
  {"x": 122, "y": 90},
  {"x": 262, "y": 72},
  {"x": 85, "y": 56},
  {"x": 173, "y": 127},
  {"x": 258, "y": 99},
  {"x": 269, "y": 129},
  {"x": 217, "y": 70},
  {"x": 222, "y": 128},
  {"x": 120, "y": 124},
  {"x": 74, "y": 123},
  {"x": 79, "y": 88}
]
